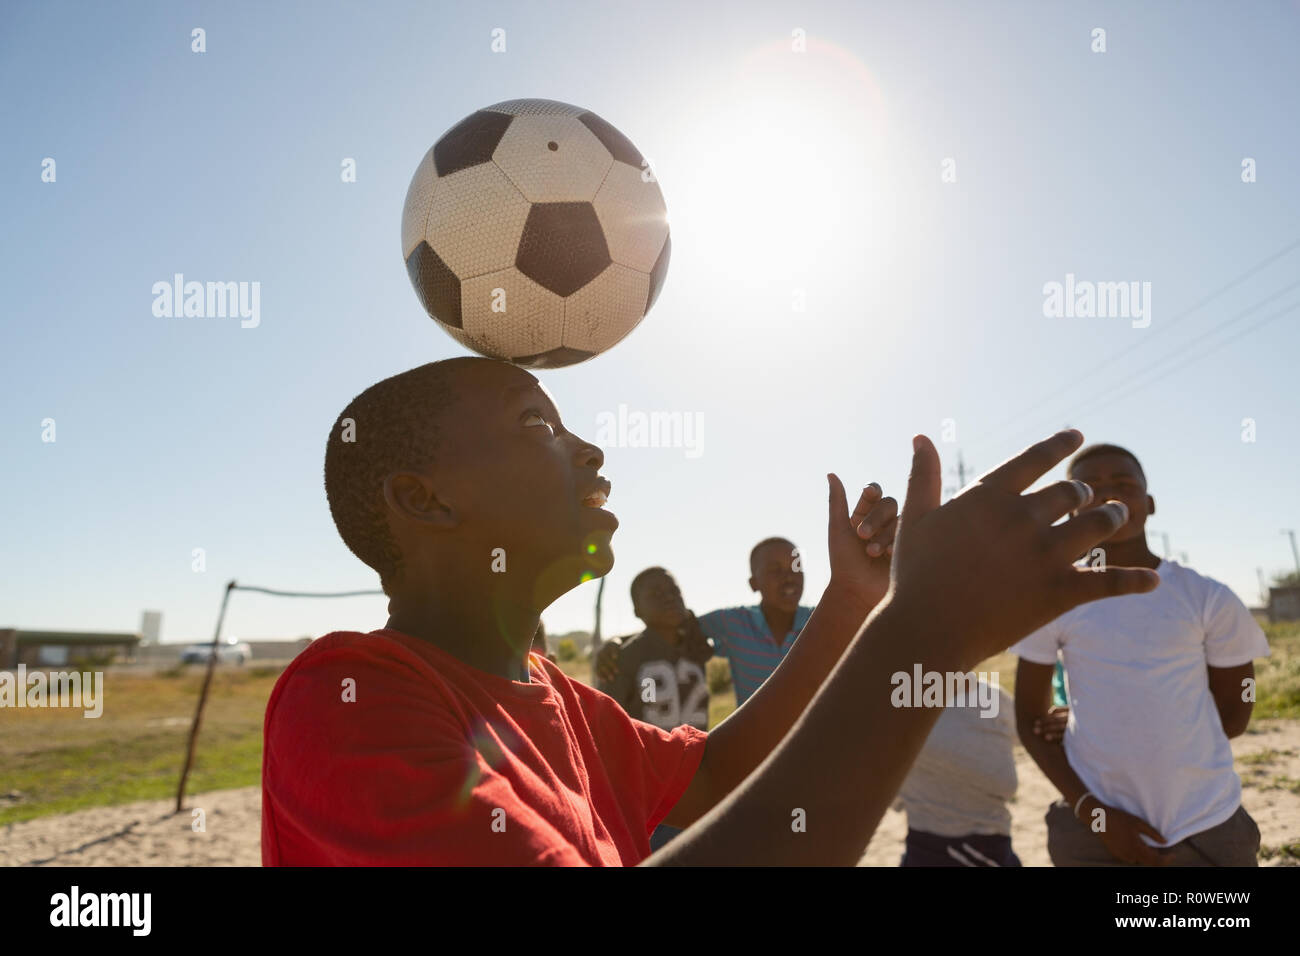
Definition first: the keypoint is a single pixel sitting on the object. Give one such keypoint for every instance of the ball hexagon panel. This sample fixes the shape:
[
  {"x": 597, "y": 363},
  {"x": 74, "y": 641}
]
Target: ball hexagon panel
[
  {"x": 633, "y": 217},
  {"x": 604, "y": 310},
  {"x": 553, "y": 159},
  {"x": 415, "y": 214},
  {"x": 562, "y": 247},
  {"x": 475, "y": 220},
  {"x": 533, "y": 320},
  {"x": 470, "y": 142}
]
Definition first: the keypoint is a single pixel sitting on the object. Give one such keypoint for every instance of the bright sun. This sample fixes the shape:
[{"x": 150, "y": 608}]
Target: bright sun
[{"x": 789, "y": 189}]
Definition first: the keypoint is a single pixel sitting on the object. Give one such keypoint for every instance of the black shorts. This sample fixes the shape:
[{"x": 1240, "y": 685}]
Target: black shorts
[{"x": 976, "y": 849}]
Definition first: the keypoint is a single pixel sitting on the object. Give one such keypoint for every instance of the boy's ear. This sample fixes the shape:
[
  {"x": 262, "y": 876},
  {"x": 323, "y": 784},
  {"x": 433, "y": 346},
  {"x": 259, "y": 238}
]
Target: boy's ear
[
  {"x": 753, "y": 585},
  {"x": 412, "y": 496},
  {"x": 1151, "y": 504}
]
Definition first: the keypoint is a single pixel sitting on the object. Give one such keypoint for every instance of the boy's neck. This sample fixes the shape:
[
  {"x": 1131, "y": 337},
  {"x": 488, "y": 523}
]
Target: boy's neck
[
  {"x": 1131, "y": 553},
  {"x": 669, "y": 634},
  {"x": 779, "y": 622},
  {"x": 486, "y": 632}
]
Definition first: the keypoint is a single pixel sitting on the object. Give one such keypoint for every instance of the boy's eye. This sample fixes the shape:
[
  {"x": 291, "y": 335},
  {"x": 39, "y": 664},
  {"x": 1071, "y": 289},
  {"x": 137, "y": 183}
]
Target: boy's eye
[{"x": 532, "y": 420}]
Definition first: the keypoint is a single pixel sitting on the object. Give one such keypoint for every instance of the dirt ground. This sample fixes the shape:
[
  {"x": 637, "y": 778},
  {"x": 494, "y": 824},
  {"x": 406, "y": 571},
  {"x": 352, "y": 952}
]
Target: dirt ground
[{"x": 149, "y": 834}]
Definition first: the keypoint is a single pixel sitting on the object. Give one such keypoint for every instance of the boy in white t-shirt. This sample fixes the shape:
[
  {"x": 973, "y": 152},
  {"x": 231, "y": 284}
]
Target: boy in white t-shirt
[{"x": 1158, "y": 682}]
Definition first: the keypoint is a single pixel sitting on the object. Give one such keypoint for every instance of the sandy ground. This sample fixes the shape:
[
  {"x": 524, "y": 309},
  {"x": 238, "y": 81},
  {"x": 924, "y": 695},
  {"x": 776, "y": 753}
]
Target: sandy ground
[{"x": 149, "y": 834}]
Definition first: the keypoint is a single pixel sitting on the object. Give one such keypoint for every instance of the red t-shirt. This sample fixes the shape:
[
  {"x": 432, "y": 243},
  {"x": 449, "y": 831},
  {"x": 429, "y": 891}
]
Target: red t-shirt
[{"x": 437, "y": 763}]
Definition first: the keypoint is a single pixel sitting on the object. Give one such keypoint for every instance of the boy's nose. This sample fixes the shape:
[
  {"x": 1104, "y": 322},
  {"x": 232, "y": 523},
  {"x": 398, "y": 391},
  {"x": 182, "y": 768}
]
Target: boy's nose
[{"x": 588, "y": 455}]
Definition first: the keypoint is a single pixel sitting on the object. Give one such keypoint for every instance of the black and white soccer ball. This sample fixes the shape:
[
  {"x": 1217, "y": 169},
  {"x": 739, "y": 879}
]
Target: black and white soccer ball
[{"x": 534, "y": 231}]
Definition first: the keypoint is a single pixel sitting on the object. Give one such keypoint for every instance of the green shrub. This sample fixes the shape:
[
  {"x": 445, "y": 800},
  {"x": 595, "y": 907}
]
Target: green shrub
[{"x": 718, "y": 674}]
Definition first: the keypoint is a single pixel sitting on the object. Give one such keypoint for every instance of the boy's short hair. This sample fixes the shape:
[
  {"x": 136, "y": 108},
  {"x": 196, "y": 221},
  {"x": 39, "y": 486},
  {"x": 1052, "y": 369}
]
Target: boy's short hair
[
  {"x": 393, "y": 425},
  {"x": 753, "y": 555},
  {"x": 1101, "y": 449},
  {"x": 641, "y": 578}
]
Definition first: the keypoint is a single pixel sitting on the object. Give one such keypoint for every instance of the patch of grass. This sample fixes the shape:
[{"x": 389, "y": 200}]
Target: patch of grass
[
  {"x": 1284, "y": 783},
  {"x": 1277, "y": 678},
  {"x": 718, "y": 674},
  {"x": 56, "y": 760},
  {"x": 1288, "y": 852},
  {"x": 1268, "y": 755},
  {"x": 578, "y": 669},
  {"x": 720, "y": 705}
]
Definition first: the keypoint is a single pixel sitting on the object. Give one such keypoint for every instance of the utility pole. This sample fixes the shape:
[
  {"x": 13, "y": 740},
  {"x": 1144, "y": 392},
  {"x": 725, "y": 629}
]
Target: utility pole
[
  {"x": 1263, "y": 591},
  {"x": 595, "y": 634},
  {"x": 961, "y": 475},
  {"x": 1164, "y": 535},
  {"x": 1290, "y": 533}
]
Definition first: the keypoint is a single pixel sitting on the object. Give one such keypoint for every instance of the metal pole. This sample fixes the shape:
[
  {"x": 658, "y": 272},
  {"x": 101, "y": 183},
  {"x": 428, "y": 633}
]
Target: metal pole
[
  {"x": 595, "y": 635},
  {"x": 1295, "y": 554},
  {"x": 1164, "y": 535},
  {"x": 203, "y": 697}
]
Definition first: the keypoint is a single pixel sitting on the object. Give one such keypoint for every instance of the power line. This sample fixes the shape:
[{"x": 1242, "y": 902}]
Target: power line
[
  {"x": 1204, "y": 300},
  {"x": 1092, "y": 407},
  {"x": 1195, "y": 358}
]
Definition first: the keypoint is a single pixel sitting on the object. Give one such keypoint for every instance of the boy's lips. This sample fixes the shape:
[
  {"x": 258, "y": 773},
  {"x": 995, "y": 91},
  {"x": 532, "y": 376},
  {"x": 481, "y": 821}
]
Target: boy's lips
[
  {"x": 598, "y": 494},
  {"x": 595, "y": 500}
]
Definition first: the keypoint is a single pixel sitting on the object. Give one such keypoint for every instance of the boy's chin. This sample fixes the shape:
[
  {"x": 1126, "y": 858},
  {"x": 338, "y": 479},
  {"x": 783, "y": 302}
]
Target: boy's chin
[
  {"x": 595, "y": 559},
  {"x": 598, "y": 555}
]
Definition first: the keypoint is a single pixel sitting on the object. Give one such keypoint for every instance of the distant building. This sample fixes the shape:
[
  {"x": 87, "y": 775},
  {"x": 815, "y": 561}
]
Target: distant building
[
  {"x": 151, "y": 627},
  {"x": 1284, "y": 603},
  {"x": 62, "y": 648}
]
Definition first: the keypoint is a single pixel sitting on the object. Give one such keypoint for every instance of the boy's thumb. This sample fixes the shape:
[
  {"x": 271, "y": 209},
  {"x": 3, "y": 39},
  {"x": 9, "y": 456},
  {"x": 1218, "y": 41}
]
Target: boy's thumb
[
  {"x": 925, "y": 482},
  {"x": 839, "y": 504}
]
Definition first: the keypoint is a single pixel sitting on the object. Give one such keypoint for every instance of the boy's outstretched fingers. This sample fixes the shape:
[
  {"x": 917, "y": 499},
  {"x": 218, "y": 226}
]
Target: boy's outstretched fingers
[
  {"x": 1022, "y": 470},
  {"x": 1080, "y": 533},
  {"x": 867, "y": 501},
  {"x": 875, "y": 519},
  {"x": 990, "y": 565},
  {"x": 1059, "y": 499},
  {"x": 1093, "y": 584},
  {"x": 924, "y": 483}
]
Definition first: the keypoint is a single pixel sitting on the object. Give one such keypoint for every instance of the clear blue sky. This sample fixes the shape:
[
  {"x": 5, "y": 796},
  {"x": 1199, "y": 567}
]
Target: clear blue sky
[{"x": 817, "y": 171}]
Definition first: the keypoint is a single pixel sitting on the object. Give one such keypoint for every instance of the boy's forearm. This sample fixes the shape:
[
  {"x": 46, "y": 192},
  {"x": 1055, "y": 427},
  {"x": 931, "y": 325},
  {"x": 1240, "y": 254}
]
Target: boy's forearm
[
  {"x": 744, "y": 740},
  {"x": 1234, "y": 715},
  {"x": 1051, "y": 760},
  {"x": 816, "y": 800}
]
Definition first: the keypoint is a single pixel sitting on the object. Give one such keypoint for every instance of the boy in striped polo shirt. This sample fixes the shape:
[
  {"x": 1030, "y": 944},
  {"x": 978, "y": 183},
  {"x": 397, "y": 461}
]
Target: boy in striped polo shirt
[{"x": 746, "y": 636}]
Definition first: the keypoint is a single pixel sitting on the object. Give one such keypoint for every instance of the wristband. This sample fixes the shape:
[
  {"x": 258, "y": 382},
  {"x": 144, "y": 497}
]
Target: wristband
[{"x": 1079, "y": 802}]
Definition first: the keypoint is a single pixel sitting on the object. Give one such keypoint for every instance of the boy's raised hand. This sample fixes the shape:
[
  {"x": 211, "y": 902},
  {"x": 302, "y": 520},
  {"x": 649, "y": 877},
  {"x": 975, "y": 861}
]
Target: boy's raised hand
[
  {"x": 861, "y": 544},
  {"x": 990, "y": 566}
]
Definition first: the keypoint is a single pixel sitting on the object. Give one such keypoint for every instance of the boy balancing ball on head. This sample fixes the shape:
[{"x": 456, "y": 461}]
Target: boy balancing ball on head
[{"x": 438, "y": 739}]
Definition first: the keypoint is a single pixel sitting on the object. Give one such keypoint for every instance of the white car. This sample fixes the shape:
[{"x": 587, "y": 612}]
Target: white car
[{"x": 228, "y": 652}]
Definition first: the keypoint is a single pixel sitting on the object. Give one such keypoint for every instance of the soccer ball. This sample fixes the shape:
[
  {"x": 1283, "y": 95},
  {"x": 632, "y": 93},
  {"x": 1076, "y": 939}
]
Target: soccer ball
[{"x": 533, "y": 231}]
